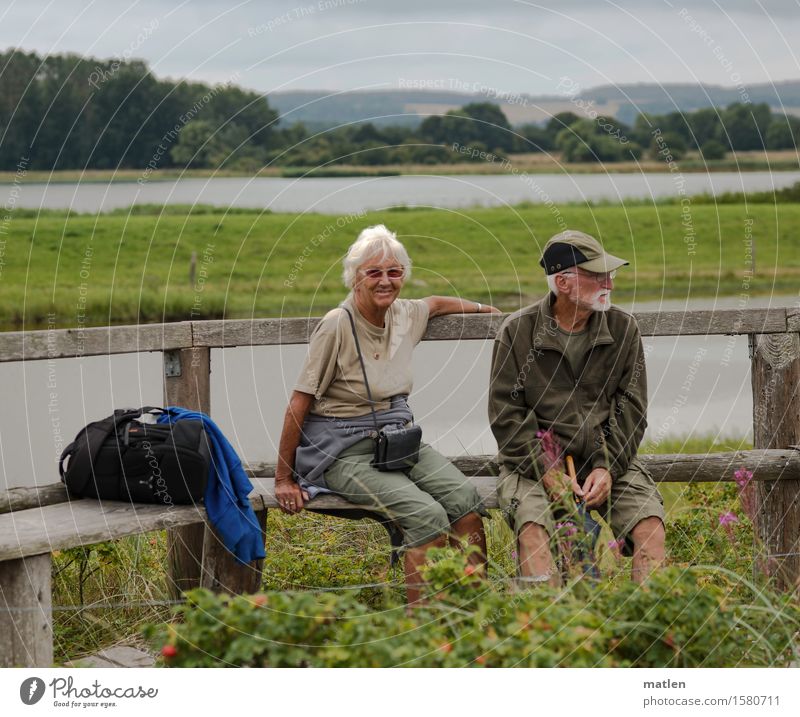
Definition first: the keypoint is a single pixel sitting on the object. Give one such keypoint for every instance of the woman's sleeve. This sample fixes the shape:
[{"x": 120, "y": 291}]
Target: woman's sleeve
[
  {"x": 418, "y": 314},
  {"x": 319, "y": 367}
]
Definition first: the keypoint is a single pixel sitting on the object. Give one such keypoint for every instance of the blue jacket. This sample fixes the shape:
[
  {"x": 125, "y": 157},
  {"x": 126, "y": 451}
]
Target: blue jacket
[{"x": 226, "y": 501}]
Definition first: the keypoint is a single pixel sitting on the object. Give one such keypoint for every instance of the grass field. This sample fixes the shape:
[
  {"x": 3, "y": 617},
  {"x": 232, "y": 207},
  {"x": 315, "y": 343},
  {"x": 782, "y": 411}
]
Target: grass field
[
  {"x": 534, "y": 162},
  {"x": 131, "y": 267}
]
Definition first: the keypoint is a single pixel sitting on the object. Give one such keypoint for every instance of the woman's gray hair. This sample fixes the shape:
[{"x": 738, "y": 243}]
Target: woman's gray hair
[{"x": 377, "y": 242}]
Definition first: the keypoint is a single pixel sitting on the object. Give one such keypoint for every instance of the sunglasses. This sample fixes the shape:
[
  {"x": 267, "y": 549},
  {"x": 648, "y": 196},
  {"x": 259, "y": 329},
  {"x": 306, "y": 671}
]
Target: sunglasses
[{"x": 395, "y": 272}]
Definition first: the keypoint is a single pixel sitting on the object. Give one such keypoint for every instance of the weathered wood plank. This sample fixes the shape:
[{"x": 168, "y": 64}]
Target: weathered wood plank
[
  {"x": 772, "y": 464},
  {"x": 84, "y": 522},
  {"x": 255, "y": 332},
  {"x": 667, "y": 468},
  {"x": 34, "y": 497},
  {"x": 274, "y": 332},
  {"x": 775, "y": 377},
  {"x": 458, "y": 327},
  {"x": 95, "y": 341},
  {"x": 723, "y": 321},
  {"x": 793, "y": 319},
  {"x": 26, "y": 617}
]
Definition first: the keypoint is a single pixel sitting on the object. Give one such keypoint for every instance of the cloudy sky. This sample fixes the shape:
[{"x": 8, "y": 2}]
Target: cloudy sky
[{"x": 510, "y": 45}]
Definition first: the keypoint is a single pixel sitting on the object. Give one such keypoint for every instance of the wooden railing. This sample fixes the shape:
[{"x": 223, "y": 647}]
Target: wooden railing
[{"x": 774, "y": 351}]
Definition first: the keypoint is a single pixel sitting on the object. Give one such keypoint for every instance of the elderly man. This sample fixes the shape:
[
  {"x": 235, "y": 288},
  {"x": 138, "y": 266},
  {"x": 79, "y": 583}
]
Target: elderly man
[{"x": 571, "y": 365}]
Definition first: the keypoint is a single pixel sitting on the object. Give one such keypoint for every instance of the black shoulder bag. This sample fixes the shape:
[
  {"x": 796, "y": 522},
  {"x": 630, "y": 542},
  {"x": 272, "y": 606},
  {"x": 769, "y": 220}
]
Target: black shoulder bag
[
  {"x": 396, "y": 449},
  {"x": 119, "y": 458}
]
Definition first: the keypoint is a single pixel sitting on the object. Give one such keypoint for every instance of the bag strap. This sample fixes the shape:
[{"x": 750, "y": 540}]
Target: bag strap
[
  {"x": 82, "y": 463},
  {"x": 363, "y": 369}
]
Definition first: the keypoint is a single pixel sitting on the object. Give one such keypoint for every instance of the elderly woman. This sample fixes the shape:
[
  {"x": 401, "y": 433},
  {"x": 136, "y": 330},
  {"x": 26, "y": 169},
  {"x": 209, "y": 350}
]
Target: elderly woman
[{"x": 328, "y": 438}]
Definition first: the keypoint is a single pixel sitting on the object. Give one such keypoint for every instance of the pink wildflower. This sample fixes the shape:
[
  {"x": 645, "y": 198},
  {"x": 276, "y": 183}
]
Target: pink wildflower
[
  {"x": 616, "y": 544},
  {"x": 726, "y": 520},
  {"x": 568, "y": 527},
  {"x": 743, "y": 477},
  {"x": 747, "y": 498},
  {"x": 551, "y": 451}
]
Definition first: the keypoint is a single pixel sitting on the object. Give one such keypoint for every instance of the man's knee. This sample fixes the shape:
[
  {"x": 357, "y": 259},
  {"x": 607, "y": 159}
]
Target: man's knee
[
  {"x": 533, "y": 537},
  {"x": 649, "y": 532}
]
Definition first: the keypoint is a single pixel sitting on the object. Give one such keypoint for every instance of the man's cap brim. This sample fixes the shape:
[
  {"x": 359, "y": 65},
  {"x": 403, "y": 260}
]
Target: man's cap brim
[{"x": 604, "y": 263}]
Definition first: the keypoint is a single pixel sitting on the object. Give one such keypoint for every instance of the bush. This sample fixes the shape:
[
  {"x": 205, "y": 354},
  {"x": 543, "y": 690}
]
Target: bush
[
  {"x": 713, "y": 150},
  {"x": 677, "y": 619}
]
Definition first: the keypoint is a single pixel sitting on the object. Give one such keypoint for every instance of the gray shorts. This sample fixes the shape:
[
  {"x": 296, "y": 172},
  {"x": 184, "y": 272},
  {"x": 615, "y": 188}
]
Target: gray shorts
[
  {"x": 424, "y": 502},
  {"x": 634, "y": 497}
]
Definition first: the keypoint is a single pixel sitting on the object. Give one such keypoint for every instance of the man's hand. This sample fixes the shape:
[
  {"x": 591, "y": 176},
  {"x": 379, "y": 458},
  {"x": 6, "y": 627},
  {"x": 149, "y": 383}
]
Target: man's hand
[
  {"x": 289, "y": 496},
  {"x": 597, "y": 488},
  {"x": 558, "y": 484}
]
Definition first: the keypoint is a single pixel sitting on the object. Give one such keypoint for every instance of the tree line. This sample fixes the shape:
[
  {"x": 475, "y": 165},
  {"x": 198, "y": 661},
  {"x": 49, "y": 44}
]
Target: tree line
[{"x": 71, "y": 112}]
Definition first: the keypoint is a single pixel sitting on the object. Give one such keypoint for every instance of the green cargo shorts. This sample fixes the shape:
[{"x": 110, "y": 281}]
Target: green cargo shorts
[
  {"x": 634, "y": 497},
  {"x": 424, "y": 501}
]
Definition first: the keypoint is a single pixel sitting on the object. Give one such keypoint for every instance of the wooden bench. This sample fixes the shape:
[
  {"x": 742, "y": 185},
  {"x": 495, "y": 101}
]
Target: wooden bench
[{"x": 36, "y": 521}]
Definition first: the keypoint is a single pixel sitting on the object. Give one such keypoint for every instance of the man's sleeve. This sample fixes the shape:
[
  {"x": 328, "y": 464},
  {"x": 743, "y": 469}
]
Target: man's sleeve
[
  {"x": 319, "y": 367},
  {"x": 623, "y": 431},
  {"x": 513, "y": 423}
]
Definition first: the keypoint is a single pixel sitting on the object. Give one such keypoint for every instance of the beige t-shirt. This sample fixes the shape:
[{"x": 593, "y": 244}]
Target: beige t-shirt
[{"x": 332, "y": 372}]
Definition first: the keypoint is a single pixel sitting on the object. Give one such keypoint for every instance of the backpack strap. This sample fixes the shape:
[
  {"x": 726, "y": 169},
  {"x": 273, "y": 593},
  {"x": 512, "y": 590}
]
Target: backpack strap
[{"x": 81, "y": 463}]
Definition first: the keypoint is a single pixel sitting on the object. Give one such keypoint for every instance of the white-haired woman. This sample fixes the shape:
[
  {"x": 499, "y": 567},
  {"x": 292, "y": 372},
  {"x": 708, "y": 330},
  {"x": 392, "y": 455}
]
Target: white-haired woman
[{"x": 327, "y": 443}]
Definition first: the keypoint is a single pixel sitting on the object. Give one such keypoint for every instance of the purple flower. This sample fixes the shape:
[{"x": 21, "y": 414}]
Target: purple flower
[
  {"x": 568, "y": 527},
  {"x": 743, "y": 477},
  {"x": 616, "y": 544},
  {"x": 551, "y": 451},
  {"x": 728, "y": 518}
]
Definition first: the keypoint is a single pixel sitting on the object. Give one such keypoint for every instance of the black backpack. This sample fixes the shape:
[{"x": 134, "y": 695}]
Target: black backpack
[{"x": 120, "y": 458}]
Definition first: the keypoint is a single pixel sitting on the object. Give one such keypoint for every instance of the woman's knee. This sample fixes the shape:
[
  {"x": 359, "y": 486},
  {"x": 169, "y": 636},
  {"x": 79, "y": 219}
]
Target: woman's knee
[
  {"x": 424, "y": 524},
  {"x": 463, "y": 501}
]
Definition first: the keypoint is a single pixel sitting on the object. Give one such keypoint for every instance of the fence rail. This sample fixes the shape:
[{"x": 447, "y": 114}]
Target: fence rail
[{"x": 100, "y": 341}]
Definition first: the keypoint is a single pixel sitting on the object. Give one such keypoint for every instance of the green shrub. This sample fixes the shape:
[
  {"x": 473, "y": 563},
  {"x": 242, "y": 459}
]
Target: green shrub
[
  {"x": 713, "y": 150},
  {"x": 677, "y": 619}
]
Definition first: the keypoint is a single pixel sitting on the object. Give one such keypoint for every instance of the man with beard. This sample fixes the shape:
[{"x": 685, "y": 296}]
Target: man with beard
[{"x": 568, "y": 380}]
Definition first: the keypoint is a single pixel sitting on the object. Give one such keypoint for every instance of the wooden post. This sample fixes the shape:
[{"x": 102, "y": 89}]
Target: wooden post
[
  {"x": 196, "y": 555},
  {"x": 776, "y": 424},
  {"x": 222, "y": 573},
  {"x": 187, "y": 383},
  {"x": 26, "y": 616}
]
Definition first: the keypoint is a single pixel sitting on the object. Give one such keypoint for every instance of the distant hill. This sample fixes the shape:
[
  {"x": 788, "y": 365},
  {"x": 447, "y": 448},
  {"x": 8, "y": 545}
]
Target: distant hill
[{"x": 321, "y": 109}]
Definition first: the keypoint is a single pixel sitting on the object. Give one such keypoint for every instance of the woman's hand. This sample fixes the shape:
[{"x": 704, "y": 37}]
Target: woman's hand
[{"x": 290, "y": 497}]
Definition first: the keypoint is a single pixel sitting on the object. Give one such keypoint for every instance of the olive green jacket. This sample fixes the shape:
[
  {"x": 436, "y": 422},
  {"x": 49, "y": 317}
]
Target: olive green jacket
[{"x": 598, "y": 417}]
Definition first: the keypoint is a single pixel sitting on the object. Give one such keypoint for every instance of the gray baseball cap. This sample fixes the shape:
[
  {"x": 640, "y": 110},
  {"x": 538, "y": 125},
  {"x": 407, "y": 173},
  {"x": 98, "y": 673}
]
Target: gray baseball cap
[{"x": 573, "y": 248}]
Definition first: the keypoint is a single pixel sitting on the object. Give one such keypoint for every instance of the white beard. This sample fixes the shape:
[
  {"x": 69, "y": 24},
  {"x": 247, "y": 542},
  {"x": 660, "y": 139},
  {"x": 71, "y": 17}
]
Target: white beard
[{"x": 601, "y": 301}]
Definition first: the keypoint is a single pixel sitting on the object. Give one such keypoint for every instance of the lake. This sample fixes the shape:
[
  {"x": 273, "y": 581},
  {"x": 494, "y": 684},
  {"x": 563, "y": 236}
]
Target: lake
[{"x": 356, "y": 194}]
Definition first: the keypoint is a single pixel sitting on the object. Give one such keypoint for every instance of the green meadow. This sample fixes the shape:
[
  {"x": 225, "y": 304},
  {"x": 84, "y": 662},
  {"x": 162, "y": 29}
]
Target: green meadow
[{"x": 136, "y": 265}]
